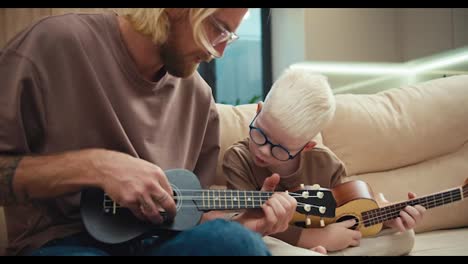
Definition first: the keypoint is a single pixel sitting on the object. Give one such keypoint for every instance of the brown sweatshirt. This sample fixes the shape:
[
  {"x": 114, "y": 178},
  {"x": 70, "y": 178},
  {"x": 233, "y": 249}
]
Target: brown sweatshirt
[{"x": 68, "y": 82}]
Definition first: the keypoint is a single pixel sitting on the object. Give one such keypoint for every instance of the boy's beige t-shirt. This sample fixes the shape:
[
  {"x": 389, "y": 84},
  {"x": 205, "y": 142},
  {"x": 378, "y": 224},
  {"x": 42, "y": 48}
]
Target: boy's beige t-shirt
[{"x": 317, "y": 166}]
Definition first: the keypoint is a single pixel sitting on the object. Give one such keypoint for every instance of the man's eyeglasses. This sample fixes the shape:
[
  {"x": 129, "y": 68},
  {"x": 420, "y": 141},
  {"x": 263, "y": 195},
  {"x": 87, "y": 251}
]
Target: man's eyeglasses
[
  {"x": 223, "y": 36},
  {"x": 277, "y": 151}
]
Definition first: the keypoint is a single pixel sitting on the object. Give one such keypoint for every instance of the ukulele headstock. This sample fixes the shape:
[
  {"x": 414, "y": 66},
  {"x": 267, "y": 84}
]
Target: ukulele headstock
[{"x": 314, "y": 200}]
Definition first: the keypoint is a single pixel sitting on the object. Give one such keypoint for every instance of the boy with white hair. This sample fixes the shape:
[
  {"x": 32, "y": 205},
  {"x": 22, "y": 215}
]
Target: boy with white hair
[{"x": 282, "y": 140}]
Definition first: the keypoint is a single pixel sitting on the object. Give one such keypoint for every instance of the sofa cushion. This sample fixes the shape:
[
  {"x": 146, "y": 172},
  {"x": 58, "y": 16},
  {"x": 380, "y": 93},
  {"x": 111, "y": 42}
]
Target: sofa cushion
[
  {"x": 400, "y": 126},
  {"x": 441, "y": 243},
  {"x": 386, "y": 243},
  {"x": 428, "y": 177},
  {"x": 280, "y": 248}
]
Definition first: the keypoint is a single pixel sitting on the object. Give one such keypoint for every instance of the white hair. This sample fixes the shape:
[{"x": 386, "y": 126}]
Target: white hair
[{"x": 301, "y": 103}]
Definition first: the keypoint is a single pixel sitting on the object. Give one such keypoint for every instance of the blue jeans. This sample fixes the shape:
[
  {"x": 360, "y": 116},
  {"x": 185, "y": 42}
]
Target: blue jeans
[{"x": 214, "y": 238}]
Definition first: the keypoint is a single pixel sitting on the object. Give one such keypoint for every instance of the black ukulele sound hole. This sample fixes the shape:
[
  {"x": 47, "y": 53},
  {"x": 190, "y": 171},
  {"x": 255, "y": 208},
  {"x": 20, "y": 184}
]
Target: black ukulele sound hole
[
  {"x": 163, "y": 213},
  {"x": 174, "y": 195},
  {"x": 349, "y": 217}
]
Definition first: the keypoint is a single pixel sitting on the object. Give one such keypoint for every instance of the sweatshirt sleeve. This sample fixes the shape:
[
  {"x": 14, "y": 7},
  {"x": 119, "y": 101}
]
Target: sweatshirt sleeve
[
  {"x": 22, "y": 118},
  {"x": 208, "y": 159},
  {"x": 22, "y": 113}
]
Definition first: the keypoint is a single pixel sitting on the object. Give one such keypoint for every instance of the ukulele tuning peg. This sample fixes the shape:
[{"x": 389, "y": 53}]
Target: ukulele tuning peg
[
  {"x": 307, "y": 207},
  {"x": 322, "y": 209},
  {"x": 308, "y": 222},
  {"x": 322, "y": 223},
  {"x": 302, "y": 186},
  {"x": 320, "y": 195},
  {"x": 315, "y": 187}
]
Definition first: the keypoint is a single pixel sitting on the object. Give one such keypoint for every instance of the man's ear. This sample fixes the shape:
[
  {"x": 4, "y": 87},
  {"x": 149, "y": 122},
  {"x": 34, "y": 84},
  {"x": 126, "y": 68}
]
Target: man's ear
[
  {"x": 259, "y": 106},
  {"x": 310, "y": 145}
]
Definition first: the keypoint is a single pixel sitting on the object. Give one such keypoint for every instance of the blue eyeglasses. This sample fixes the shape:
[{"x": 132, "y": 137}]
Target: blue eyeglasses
[{"x": 277, "y": 151}]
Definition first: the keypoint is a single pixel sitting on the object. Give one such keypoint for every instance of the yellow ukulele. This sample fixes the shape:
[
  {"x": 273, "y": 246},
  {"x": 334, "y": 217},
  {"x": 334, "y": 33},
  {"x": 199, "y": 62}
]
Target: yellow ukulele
[{"x": 355, "y": 200}]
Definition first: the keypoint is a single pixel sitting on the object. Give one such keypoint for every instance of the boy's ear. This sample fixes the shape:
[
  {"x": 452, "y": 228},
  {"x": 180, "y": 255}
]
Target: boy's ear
[
  {"x": 259, "y": 106},
  {"x": 310, "y": 145}
]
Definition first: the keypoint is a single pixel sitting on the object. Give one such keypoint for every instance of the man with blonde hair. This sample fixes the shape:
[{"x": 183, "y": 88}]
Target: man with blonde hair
[
  {"x": 283, "y": 141},
  {"x": 113, "y": 101}
]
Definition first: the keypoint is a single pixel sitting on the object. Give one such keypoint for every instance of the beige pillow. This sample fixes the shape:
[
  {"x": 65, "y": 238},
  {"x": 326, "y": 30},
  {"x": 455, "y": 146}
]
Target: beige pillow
[
  {"x": 399, "y": 127},
  {"x": 426, "y": 178}
]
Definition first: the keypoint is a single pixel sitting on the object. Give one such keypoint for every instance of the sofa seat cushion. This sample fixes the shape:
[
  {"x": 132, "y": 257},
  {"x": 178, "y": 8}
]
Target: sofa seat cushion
[
  {"x": 386, "y": 243},
  {"x": 280, "y": 248},
  {"x": 451, "y": 242}
]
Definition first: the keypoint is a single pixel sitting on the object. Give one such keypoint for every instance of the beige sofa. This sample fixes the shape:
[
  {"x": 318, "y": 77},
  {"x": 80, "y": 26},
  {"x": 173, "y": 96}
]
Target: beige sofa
[{"x": 407, "y": 139}]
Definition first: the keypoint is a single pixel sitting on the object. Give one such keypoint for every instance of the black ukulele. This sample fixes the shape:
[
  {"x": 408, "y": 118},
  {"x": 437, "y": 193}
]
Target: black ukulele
[{"x": 109, "y": 223}]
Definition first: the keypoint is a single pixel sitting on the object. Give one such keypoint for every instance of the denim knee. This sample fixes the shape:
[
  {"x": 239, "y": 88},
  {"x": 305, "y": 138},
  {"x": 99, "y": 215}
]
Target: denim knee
[
  {"x": 68, "y": 251},
  {"x": 216, "y": 237}
]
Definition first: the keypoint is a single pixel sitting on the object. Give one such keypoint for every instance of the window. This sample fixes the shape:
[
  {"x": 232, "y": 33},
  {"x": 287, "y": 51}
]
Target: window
[{"x": 243, "y": 74}]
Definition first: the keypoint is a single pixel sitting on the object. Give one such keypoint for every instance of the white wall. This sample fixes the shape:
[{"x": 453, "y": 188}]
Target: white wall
[
  {"x": 460, "y": 23},
  {"x": 287, "y": 38},
  {"x": 424, "y": 31},
  {"x": 351, "y": 34},
  {"x": 364, "y": 34}
]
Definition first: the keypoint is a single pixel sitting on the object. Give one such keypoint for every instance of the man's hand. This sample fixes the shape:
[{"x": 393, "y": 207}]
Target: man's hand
[
  {"x": 131, "y": 182},
  {"x": 276, "y": 213},
  {"x": 134, "y": 183}
]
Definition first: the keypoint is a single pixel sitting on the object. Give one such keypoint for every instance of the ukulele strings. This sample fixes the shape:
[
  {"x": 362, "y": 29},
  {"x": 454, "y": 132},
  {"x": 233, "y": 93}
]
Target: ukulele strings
[
  {"x": 390, "y": 213},
  {"x": 213, "y": 206}
]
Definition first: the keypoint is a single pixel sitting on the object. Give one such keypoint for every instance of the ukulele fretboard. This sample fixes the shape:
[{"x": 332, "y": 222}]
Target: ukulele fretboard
[
  {"x": 380, "y": 215},
  {"x": 231, "y": 199},
  {"x": 210, "y": 200}
]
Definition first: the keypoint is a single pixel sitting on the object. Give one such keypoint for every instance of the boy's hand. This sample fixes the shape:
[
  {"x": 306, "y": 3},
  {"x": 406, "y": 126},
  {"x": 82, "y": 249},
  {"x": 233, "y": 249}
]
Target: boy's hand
[
  {"x": 409, "y": 217},
  {"x": 276, "y": 213},
  {"x": 339, "y": 236},
  {"x": 320, "y": 249}
]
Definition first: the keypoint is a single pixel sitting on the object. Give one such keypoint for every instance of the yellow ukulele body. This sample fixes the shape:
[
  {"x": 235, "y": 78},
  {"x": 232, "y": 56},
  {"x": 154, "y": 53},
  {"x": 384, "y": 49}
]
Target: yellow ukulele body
[{"x": 350, "y": 210}]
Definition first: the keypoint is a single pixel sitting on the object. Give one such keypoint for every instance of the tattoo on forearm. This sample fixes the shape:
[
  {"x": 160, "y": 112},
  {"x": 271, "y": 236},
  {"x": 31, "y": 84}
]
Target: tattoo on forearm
[{"x": 8, "y": 167}]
